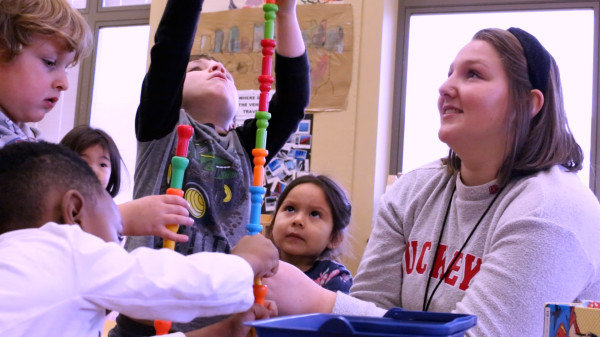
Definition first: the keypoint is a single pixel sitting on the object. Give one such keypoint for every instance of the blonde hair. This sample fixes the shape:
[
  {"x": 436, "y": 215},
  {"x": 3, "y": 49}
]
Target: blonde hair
[{"x": 21, "y": 20}]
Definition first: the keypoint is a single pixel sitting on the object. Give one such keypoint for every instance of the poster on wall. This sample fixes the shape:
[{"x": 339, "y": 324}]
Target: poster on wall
[
  {"x": 292, "y": 161},
  {"x": 233, "y": 37}
]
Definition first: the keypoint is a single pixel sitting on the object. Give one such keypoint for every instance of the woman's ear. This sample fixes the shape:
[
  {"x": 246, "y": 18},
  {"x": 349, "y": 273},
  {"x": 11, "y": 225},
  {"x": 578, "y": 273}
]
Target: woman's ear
[
  {"x": 72, "y": 207},
  {"x": 537, "y": 101}
]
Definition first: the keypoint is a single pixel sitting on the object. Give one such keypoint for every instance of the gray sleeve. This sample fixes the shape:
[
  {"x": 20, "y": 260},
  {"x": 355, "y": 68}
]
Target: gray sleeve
[
  {"x": 348, "y": 305},
  {"x": 379, "y": 275}
]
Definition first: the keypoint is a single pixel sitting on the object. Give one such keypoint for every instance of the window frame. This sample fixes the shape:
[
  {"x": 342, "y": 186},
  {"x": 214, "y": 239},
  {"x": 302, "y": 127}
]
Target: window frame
[
  {"x": 406, "y": 8},
  {"x": 99, "y": 17}
]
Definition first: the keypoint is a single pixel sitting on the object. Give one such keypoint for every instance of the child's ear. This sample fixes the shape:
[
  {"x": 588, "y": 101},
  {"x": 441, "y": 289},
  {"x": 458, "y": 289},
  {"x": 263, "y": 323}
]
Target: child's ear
[
  {"x": 72, "y": 207},
  {"x": 335, "y": 241}
]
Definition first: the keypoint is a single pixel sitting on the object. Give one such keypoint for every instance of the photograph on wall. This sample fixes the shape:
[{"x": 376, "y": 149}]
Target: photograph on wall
[{"x": 292, "y": 161}]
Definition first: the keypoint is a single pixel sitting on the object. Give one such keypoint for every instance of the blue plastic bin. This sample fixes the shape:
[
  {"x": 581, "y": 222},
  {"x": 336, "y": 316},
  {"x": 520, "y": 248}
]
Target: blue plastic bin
[{"x": 395, "y": 323}]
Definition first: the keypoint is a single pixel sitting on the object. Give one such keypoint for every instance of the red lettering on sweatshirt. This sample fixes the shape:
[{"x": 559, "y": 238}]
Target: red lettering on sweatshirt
[
  {"x": 409, "y": 263},
  {"x": 421, "y": 268},
  {"x": 452, "y": 277},
  {"x": 469, "y": 270},
  {"x": 418, "y": 257},
  {"x": 439, "y": 268}
]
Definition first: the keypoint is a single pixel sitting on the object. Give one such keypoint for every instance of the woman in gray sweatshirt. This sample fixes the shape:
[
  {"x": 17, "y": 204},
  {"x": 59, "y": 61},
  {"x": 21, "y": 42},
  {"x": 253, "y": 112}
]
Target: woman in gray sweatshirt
[{"x": 499, "y": 227}]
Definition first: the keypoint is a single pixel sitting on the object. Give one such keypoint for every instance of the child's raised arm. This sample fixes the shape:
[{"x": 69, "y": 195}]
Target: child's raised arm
[
  {"x": 289, "y": 37},
  {"x": 162, "y": 88}
]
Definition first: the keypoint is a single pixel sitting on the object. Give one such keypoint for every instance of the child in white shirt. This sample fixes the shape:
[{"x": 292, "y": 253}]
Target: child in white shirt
[{"x": 58, "y": 280}]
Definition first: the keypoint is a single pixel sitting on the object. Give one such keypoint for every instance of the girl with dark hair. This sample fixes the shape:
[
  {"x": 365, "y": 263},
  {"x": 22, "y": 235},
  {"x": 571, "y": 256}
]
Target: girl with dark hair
[
  {"x": 144, "y": 216},
  {"x": 99, "y": 150},
  {"x": 309, "y": 224}
]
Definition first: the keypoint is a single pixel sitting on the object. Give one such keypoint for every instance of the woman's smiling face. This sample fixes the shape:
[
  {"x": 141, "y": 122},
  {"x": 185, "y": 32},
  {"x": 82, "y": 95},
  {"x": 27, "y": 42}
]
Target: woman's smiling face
[{"x": 474, "y": 100}]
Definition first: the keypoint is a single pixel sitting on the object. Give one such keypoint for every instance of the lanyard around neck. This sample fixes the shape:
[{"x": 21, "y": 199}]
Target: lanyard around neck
[{"x": 427, "y": 302}]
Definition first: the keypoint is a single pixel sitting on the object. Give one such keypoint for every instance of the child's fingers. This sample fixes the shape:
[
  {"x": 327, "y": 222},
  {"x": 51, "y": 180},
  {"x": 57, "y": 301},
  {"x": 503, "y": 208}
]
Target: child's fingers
[
  {"x": 174, "y": 200},
  {"x": 183, "y": 220},
  {"x": 168, "y": 235},
  {"x": 271, "y": 307},
  {"x": 270, "y": 270},
  {"x": 178, "y": 210},
  {"x": 259, "y": 311},
  {"x": 175, "y": 204}
]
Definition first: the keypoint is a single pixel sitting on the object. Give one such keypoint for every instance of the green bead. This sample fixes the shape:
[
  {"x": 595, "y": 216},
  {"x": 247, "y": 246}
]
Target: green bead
[
  {"x": 270, "y": 15},
  {"x": 178, "y": 164},
  {"x": 261, "y": 139},
  {"x": 262, "y": 115}
]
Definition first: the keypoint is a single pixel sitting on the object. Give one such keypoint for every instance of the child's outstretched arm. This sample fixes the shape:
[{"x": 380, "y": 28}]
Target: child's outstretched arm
[
  {"x": 292, "y": 84},
  {"x": 289, "y": 37},
  {"x": 295, "y": 293},
  {"x": 149, "y": 216}
]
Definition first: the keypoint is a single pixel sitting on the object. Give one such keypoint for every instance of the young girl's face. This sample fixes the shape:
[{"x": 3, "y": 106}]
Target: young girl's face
[
  {"x": 303, "y": 225},
  {"x": 99, "y": 160}
]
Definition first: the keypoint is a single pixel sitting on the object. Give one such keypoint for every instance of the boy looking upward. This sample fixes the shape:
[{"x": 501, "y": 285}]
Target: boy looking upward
[{"x": 202, "y": 93}]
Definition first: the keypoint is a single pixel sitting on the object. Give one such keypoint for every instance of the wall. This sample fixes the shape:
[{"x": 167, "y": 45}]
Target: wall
[{"x": 352, "y": 146}]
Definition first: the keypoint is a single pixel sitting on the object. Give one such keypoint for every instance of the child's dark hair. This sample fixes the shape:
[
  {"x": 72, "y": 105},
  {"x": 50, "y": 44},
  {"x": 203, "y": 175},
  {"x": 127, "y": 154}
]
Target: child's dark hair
[
  {"x": 341, "y": 209},
  {"x": 30, "y": 173},
  {"x": 83, "y": 137}
]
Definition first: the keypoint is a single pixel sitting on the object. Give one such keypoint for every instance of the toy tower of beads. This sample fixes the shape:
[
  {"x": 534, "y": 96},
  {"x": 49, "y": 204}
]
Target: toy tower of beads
[
  {"x": 179, "y": 163},
  {"x": 262, "y": 117}
]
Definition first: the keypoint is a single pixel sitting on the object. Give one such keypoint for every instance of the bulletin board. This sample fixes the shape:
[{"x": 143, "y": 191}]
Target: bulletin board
[{"x": 233, "y": 37}]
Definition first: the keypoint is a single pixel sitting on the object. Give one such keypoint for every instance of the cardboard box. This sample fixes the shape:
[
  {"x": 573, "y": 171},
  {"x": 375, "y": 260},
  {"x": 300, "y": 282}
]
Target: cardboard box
[{"x": 572, "y": 319}]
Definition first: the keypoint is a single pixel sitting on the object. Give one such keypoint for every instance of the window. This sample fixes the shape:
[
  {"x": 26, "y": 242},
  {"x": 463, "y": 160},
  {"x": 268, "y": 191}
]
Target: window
[
  {"x": 117, "y": 3},
  {"x": 74, "y": 107},
  {"x": 120, "y": 67},
  {"x": 431, "y": 37},
  {"x": 79, "y": 4}
]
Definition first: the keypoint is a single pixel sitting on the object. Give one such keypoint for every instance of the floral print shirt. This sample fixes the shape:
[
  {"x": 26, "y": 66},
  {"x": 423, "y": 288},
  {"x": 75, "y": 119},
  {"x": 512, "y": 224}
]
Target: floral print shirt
[{"x": 331, "y": 275}]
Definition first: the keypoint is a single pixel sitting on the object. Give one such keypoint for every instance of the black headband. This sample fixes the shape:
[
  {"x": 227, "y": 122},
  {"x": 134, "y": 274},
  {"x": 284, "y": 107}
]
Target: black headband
[{"x": 538, "y": 58}]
